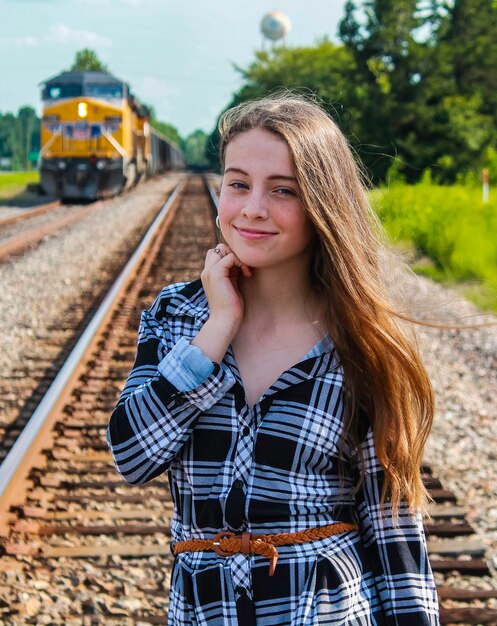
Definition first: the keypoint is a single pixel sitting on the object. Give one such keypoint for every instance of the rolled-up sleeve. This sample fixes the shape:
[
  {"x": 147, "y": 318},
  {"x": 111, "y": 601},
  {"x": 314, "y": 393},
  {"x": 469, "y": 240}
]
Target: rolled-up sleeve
[
  {"x": 156, "y": 414},
  {"x": 397, "y": 551}
]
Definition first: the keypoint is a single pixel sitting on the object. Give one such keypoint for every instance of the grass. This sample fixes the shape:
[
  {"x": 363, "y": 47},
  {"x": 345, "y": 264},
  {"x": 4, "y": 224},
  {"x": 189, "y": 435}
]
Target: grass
[
  {"x": 14, "y": 183},
  {"x": 453, "y": 233}
]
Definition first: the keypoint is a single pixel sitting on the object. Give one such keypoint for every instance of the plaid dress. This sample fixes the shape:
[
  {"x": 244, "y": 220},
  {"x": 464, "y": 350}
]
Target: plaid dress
[{"x": 269, "y": 468}]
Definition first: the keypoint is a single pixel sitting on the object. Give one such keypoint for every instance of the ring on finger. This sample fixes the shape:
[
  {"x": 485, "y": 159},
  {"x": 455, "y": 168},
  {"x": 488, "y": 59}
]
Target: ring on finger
[{"x": 218, "y": 251}]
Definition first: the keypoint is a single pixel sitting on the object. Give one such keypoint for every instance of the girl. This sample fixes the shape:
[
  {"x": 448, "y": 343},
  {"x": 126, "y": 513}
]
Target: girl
[{"x": 284, "y": 400}]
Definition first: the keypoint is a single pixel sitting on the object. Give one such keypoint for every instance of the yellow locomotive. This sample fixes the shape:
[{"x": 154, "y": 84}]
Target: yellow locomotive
[{"x": 96, "y": 138}]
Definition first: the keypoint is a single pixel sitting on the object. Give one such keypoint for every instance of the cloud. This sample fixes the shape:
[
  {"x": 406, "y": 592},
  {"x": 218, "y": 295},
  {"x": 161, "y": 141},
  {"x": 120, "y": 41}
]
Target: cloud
[
  {"x": 62, "y": 34},
  {"x": 59, "y": 34},
  {"x": 27, "y": 41}
]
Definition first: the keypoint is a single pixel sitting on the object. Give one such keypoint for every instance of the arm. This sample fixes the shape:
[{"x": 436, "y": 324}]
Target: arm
[
  {"x": 160, "y": 404},
  {"x": 165, "y": 394},
  {"x": 397, "y": 552}
]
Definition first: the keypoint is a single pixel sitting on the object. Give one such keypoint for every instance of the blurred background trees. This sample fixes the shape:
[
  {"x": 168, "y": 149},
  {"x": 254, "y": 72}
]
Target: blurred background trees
[
  {"x": 19, "y": 139},
  {"x": 86, "y": 60},
  {"x": 412, "y": 84}
]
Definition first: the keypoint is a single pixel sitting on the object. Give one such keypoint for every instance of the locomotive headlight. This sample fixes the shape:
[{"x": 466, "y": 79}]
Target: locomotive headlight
[
  {"x": 62, "y": 165},
  {"x": 100, "y": 165},
  {"x": 82, "y": 109}
]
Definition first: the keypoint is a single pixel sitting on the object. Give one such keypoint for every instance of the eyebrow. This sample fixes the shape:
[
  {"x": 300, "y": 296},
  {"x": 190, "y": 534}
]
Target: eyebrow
[{"x": 272, "y": 177}]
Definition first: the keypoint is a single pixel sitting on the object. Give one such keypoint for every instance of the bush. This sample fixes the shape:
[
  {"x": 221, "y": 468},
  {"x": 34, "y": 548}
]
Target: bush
[{"x": 450, "y": 225}]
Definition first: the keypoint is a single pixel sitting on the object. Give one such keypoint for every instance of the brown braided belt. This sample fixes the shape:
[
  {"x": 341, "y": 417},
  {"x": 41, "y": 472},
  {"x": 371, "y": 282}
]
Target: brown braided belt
[{"x": 227, "y": 543}]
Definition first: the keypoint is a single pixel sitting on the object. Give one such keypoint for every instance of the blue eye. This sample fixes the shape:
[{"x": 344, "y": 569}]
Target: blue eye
[{"x": 237, "y": 185}]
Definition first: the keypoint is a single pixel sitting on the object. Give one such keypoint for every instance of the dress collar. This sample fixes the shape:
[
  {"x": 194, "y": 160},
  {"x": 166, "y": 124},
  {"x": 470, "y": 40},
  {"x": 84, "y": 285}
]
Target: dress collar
[{"x": 190, "y": 300}]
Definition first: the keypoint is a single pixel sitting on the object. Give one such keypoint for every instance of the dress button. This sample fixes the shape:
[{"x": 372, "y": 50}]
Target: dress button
[
  {"x": 246, "y": 431},
  {"x": 238, "y": 484}
]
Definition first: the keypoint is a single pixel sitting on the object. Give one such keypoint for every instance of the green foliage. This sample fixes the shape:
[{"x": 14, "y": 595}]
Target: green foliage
[
  {"x": 390, "y": 66},
  {"x": 87, "y": 60},
  {"x": 322, "y": 70},
  {"x": 19, "y": 136},
  {"x": 166, "y": 129},
  {"x": 9, "y": 179},
  {"x": 394, "y": 174},
  {"x": 471, "y": 37},
  {"x": 413, "y": 85},
  {"x": 194, "y": 148},
  {"x": 14, "y": 183},
  {"x": 325, "y": 71},
  {"x": 450, "y": 225}
]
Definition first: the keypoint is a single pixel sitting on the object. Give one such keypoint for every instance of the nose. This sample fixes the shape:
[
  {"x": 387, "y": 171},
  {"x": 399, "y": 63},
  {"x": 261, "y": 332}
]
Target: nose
[{"x": 255, "y": 206}]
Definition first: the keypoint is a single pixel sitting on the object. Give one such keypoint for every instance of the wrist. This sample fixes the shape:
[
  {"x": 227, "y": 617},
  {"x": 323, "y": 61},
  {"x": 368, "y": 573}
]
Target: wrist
[
  {"x": 223, "y": 327},
  {"x": 214, "y": 338}
]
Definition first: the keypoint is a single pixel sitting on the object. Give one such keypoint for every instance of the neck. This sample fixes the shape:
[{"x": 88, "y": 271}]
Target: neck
[{"x": 278, "y": 295}]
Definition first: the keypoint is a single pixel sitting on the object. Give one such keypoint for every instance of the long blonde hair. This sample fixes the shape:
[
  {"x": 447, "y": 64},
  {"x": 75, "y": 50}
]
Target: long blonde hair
[{"x": 385, "y": 378}]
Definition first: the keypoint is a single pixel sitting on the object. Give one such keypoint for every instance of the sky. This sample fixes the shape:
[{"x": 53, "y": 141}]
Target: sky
[{"x": 177, "y": 55}]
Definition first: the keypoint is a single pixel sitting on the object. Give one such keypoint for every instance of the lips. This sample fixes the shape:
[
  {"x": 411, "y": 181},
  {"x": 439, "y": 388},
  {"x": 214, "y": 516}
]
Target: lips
[{"x": 253, "y": 233}]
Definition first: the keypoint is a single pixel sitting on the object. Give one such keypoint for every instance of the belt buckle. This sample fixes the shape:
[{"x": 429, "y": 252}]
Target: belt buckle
[{"x": 216, "y": 545}]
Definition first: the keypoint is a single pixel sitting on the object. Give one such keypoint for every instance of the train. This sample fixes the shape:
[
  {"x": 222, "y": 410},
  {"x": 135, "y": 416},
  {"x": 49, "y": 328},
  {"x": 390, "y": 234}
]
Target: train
[{"x": 96, "y": 138}]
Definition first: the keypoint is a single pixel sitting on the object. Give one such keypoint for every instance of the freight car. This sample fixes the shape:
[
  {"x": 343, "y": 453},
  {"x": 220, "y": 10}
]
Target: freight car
[{"x": 96, "y": 138}]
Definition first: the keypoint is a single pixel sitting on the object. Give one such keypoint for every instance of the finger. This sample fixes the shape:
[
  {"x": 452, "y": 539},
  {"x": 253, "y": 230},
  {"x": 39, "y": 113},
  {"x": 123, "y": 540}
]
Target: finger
[
  {"x": 231, "y": 260},
  {"x": 245, "y": 269},
  {"x": 213, "y": 256},
  {"x": 222, "y": 249},
  {"x": 216, "y": 254}
]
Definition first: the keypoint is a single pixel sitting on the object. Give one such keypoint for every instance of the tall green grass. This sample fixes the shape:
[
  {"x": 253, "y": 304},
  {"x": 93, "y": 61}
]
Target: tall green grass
[
  {"x": 13, "y": 183},
  {"x": 450, "y": 225}
]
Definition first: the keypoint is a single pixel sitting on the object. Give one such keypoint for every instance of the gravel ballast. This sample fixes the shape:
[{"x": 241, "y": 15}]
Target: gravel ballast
[{"x": 48, "y": 283}]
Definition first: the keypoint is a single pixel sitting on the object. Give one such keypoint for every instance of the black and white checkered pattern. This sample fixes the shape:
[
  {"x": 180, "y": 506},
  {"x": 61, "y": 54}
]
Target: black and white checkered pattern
[{"x": 266, "y": 469}]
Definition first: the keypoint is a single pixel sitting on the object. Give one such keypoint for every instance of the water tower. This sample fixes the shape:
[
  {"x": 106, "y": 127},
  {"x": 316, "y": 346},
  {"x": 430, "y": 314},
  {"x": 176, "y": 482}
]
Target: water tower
[{"x": 274, "y": 26}]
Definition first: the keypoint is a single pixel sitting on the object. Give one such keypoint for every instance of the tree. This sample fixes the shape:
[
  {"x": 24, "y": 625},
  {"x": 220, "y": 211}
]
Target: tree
[
  {"x": 87, "y": 60},
  {"x": 427, "y": 69},
  {"x": 27, "y": 122},
  {"x": 8, "y": 124},
  {"x": 194, "y": 148},
  {"x": 19, "y": 135},
  {"x": 390, "y": 62},
  {"x": 325, "y": 71},
  {"x": 471, "y": 37},
  {"x": 168, "y": 130}
]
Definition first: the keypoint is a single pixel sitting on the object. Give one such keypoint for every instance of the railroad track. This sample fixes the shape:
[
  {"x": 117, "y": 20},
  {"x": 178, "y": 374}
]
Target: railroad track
[
  {"x": 79, "y": 544},
  {"x": 23, "y": 386},
  {"x": 28, "y": 213},
  {"x": 15, "y": 237},
  {"x": 12, "y": 243}
]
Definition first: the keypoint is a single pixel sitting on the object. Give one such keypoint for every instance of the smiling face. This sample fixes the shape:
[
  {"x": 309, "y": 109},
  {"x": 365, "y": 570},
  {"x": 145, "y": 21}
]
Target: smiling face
[{"x": 260, "y": 213}]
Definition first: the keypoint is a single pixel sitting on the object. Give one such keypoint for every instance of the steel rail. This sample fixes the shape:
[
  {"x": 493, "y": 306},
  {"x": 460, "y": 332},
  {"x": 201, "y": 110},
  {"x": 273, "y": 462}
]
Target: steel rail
[
  {"x": 213, "y": 195},
  {"x": 29, "y": 444},
  {"x": 18, "y": 243},
  {"x": 26, "y": 214}
]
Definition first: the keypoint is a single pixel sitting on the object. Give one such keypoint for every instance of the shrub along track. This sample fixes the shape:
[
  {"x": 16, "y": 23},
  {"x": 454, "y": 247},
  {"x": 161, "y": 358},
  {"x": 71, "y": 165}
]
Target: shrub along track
[{"x": 82, "y": 547}]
